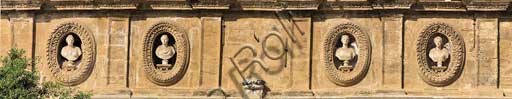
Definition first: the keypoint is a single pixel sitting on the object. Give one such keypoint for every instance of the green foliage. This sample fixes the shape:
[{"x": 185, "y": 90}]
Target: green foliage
[
  {"x": 82, "y": 95},
  {"x": 15, "y": 81},
  {"x": 58, "y": 91},
  {"x": 18, "y": 83}
]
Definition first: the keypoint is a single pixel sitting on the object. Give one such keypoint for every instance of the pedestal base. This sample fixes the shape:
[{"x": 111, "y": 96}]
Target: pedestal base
[{"x": 164, "y": 66}]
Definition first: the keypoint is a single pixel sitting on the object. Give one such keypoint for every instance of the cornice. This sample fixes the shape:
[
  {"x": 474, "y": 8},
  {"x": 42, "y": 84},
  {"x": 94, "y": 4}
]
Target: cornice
[
  {"x": 481, "y": 5},
  {"x": 211, "y": 4},
  {"x": 260, "y": 5},
  {"x": 439, "y": 5},
  {"x": 347, "y": 5},
  {"x": 20, "y": 5},
  {"x": 168, "y": 4},
  {"x": 72, "y": 4}
]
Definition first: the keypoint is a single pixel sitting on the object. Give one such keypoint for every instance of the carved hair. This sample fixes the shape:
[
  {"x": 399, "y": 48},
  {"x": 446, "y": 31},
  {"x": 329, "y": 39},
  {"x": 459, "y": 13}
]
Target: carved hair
[
  {"x": 166, "y": 77},
  {"x": 70, "y": 39},
  {"x": 457, "y": 54},
  {"x": 352, "y": 77},
  {"x": 74, "y": 77}
]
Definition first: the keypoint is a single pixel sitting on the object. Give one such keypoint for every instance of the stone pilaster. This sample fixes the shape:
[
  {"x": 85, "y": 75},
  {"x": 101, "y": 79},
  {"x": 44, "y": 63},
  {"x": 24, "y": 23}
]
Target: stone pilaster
[
  {"x": 505, "y": 57},
  {"x": 16, "y": 31},
  {"x": 22, "y": 31},
  {"x": 487, "y": 34},
  {"x": 393, "y": 55},
  {"x": 210, "y": 52},
  {"x": 5, "y": 34},
  {"x": 487, "y": 46},
  {"x": 115, "y": 72}
]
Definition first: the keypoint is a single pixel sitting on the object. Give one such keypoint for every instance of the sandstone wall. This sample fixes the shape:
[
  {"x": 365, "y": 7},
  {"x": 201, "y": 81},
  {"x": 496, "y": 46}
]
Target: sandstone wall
[{"x": 291, "y": 49}]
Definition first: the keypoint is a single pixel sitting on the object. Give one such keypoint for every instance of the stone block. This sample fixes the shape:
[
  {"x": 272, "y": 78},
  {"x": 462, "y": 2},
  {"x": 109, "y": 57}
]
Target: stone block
[
  {"x": 272, "y": 47},
  {"x": 369, "y": 25}
]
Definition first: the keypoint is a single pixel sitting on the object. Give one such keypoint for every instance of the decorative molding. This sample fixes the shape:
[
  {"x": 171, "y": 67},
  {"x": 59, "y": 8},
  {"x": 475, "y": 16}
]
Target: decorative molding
[
  {"x": 72, "y": 4},
  {"x": 211, "y": 4},
  {"x": 177, "y": 71},
  {"x": 168, "y": 4},
  {"x": 278, "y": 5},
  {"x": 397, "y": 5},
  {"x": 86, "y": 64},
  {"x": 360, "y": 68},
  {"x": 488, "y": 6},
  {"x": 440, "y": 5},
  {"x": 348, "y": 5},
  {"x": 456, "y": 61},
  {"x": 262, "y": 5},
  {"x": 300, "y": 4},
  {"x": 20, "y": 5},
  {"x": 117, "y": 4},
  {"x": 259, "y": 5}
]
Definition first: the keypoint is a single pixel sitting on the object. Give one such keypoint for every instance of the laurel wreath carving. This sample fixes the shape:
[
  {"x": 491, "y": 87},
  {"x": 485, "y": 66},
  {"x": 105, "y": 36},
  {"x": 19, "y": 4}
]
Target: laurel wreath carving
[
  {"x": 346, "y": 78},
  {"x": 86, "y": 65},
  {"x": 457, "y": 56},
  {"x": 171, "y": 76}
]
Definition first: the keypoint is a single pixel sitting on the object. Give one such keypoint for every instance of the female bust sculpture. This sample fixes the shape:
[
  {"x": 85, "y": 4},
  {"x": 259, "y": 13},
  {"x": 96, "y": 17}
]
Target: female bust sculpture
[
  {"x": 165, "y": 52},
  {"x": 345, "y": 53},
  {"x": 71, "y": 53},
  {"x": 439, "y": 54}
]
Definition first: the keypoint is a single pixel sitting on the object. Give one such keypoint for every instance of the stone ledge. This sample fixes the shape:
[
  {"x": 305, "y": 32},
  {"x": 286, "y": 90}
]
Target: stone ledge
[
  {"x": 167, "y": 4},
  {"x": 72, "y": 4},
  {"x": 20, "y": 5},
  {"x": 116, "y": 4},
  {"x": 348, "y": 5},
  {"x": 211, "y": 4},
  {"x": 440, "y": 5},
  {"x": 488, "y": 6},
  {"x": 258, "y": 5}
]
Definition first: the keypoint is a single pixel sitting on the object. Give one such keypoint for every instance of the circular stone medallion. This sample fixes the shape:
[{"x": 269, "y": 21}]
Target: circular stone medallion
[
  {"x": 170, "y": 65},
  {"x": 347, "y": 54},
  {"x": 71, "y": 54},
  {"x": 440, "y": 71}
]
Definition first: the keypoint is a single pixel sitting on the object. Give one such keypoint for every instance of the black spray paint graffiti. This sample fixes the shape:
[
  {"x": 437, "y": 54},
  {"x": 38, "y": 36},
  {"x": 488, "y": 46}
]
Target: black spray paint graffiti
[
  {"x": 256, "y": 85},
  {"x": 257, "y": 60},
  {"x": 252, "y": 84}
]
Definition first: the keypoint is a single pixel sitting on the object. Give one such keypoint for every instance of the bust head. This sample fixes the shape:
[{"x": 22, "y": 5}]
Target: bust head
[
  {"x": 438, "y": 41},
  {"x": 345, "y": 40},
  {"x": 70, "y": 40},
  {"x": 164, "y": 39}
]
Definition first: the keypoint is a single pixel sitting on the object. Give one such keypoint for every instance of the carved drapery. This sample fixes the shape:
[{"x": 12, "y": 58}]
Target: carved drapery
[
  {"x": 360, "y": 68},
  {"x": 84, "y": 65},
  {"x": 456, "y": 50},
  {"x": 175, "y": 73}
]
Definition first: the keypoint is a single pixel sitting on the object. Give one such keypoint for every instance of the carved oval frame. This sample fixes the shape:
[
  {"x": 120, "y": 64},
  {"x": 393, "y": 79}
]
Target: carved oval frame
[
  {"x": 457, "y": 56},
  {"x": 347, "y": 78},
  {"x": 85, "y": 67},
  {"x": 182, "y": 45}
]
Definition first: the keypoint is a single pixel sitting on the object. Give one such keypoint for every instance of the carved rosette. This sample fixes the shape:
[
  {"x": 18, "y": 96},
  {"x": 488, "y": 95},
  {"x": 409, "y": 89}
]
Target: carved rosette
[
  {"x": 86, "y": 64},
  {"x": 167, "y": 76},
  {"x": 457, "y": 55},
  {"x": 346, "y": 78}
]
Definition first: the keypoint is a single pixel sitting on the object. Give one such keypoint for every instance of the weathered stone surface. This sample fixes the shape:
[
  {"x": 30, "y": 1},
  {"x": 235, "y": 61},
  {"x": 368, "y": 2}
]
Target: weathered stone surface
[
  {"x": 47, "y": 23},
  {"x": 368, "y": 24},
  {"x": 272, "y": 47},
  {"x": 203, "y": 68},
  {"x": 464, "y": 26},
  {"x": 393, "y": 55},
  {"x": 487, "y": 32},
  {"x": 17, "y": 32},
  {"x": 269, "y": 48},
  {"x": 505, "y": 38}
]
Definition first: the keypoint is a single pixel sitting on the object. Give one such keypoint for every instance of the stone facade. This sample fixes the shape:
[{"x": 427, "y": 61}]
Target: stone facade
[{"x": 266, "y": 48}]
